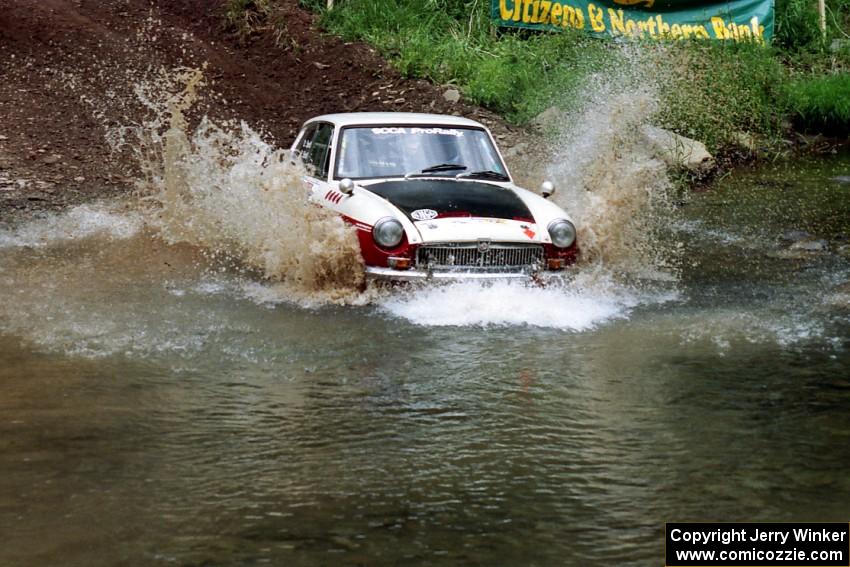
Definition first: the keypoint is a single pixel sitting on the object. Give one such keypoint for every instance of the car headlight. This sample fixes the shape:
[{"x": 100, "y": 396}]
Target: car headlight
[
  {"x": 388, "y": 232},
  {"x": 562, "y": 232}
]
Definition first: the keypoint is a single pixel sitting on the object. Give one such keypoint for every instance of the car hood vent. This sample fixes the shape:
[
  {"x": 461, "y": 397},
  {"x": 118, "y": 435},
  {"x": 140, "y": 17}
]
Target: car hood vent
[{"x": 452, "y": 198}]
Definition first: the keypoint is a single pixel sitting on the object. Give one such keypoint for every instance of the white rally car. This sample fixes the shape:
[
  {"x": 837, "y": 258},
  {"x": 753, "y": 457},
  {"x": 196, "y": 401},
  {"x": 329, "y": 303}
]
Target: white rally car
[{"x": 432, "y": 198}]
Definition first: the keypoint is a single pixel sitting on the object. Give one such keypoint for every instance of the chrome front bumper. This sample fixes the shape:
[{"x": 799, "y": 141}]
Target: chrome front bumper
[{"x": 390, "y": 275}]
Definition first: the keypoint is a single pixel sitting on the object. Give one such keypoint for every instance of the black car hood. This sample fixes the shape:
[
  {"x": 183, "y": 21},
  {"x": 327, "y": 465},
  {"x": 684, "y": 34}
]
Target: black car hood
[{"x": 448, "y": 197}]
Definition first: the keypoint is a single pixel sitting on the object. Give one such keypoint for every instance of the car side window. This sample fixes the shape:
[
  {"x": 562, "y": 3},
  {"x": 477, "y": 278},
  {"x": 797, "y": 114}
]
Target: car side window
[
  {"x": 317, "y": 155},
  {"x": 303, "y": 147}
]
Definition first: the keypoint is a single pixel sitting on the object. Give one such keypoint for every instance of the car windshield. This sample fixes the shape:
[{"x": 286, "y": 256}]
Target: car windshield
[{"x": 396, "y": 151}]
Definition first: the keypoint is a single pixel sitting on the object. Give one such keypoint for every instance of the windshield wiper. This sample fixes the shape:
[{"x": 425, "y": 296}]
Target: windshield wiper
[
  {"x": 438, "y": 168},
  {"x": 485, "y": 173}
]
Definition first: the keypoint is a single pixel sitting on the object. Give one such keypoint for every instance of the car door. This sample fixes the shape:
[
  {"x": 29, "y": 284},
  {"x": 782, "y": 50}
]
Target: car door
[{"x": 314, "y": 150}]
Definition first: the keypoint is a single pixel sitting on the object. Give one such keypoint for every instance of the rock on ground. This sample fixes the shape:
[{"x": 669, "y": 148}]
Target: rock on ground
[
  {"x": 676, "y": 150},
  {"x": 548, "y": 120},
  {"x": 452, "y": 95},
  {"x": 745, "y": 141}
]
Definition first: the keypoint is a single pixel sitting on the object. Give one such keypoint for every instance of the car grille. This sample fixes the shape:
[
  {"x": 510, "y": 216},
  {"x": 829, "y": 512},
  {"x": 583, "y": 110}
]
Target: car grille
[{"x": 469, "y": 256}]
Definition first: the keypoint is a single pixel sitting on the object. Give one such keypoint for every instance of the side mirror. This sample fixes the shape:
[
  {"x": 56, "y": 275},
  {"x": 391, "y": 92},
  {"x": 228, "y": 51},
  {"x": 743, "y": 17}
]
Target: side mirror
[
  {"x": 346, "y": 186},
  {"x": 547, "y": 188}
]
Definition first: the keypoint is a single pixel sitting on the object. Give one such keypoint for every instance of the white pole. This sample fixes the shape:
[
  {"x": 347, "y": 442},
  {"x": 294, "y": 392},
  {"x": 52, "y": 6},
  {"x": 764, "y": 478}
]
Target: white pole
[{"x": 821, "y": 12}]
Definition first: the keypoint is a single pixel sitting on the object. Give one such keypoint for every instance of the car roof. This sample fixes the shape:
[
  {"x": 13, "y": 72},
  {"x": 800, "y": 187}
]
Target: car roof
[{"x": 372, "y": 118}]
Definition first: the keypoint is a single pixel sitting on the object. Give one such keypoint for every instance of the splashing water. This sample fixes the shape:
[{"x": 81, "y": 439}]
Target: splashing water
[
  {"x": 224, "y": 189},
  {"x": 617, "y": 191},
  {"x": 220, "y": 195},
  {"x": 84, "y": 221},
  {"x": 612, "y": 183},
  {"x": 233, "y": 194},
  {"x": 585, "y": 302}
]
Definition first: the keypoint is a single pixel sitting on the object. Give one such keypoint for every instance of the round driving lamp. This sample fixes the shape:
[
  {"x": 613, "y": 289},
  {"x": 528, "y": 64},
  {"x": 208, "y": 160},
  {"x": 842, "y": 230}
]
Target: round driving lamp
[
  {"x": 562, "y": 232},
  {"x": 388, "y": 232}
]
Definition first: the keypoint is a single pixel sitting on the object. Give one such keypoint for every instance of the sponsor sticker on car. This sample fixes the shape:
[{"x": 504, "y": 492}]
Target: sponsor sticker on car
[
  {"x": 433, "y": 131},
  {"x": 423, "y": 214}
]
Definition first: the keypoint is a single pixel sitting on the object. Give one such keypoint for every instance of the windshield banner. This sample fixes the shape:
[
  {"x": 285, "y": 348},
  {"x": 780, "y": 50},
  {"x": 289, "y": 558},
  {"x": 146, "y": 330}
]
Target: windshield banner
[{"x": 735, "y": 20}]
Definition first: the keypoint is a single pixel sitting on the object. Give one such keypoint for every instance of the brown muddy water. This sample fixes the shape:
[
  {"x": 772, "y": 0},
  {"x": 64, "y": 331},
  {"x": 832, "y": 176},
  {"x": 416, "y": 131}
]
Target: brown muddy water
[{"x": 163, "y": 406}]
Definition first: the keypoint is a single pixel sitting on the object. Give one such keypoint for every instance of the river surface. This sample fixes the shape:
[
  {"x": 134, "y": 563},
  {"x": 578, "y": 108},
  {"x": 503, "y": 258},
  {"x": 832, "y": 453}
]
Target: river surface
[{"x": 159, "y": 407}]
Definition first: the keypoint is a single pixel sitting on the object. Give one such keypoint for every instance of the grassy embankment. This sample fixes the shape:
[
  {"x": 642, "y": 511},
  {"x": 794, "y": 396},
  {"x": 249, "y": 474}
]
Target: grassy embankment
[{"x": 709, "y": 90}]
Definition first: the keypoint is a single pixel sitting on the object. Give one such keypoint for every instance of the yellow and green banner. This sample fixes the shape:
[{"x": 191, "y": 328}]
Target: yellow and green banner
[{"x": 734, "y": 20}]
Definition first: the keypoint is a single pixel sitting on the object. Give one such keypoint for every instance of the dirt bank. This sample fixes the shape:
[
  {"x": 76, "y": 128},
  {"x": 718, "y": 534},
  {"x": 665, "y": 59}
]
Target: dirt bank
[{"x": 70, "y": 68}]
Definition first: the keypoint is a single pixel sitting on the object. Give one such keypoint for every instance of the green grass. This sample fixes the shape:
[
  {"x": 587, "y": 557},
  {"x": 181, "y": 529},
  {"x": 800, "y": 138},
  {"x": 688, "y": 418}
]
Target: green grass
[
  {"x": 710, "y": 91},
  {"x": 718, "y": 90},
  {"x": 798, "y": 25},
  {"x": 515, "y": 74},
  {"x": 821, "y": 104}
]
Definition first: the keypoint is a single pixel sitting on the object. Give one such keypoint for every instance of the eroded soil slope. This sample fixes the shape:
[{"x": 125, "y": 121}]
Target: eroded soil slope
[{"x": 73, "y": 72}]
